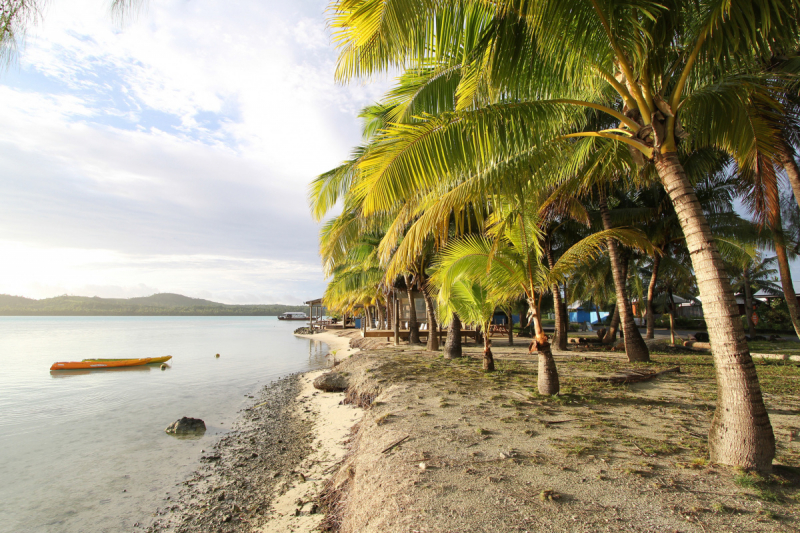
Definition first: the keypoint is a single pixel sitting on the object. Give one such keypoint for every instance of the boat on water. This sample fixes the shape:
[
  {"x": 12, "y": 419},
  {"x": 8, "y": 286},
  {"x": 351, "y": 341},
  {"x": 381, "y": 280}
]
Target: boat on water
[
  {"x": 108, "y": 363},
  {"x": 293, "y": 315}
]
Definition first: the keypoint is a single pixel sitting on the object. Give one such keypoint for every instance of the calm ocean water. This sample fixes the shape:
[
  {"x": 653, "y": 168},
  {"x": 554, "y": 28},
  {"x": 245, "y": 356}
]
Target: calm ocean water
[{"x": 85, "y": 451}]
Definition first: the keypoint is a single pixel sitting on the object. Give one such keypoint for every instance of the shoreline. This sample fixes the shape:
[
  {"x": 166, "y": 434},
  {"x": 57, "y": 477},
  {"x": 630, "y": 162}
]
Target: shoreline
[{"x": 267, "y": 473}]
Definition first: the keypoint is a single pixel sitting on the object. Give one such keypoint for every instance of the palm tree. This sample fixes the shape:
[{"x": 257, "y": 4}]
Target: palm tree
[
  {"x": 469, "y": 300},
  {"x": 751, "y": 275},
  {"x": 696, "y": 54}
]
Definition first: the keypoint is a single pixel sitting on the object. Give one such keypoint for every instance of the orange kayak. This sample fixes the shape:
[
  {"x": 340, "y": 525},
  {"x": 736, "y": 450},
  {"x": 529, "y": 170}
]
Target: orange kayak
[{"x": 108, "y": 363}]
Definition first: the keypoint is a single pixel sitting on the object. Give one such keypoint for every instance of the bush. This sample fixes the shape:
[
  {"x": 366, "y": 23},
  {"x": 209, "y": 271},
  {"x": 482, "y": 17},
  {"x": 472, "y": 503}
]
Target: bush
[
  {"x": 681, "y": 322},
  {"x": 773, "y": 317}
]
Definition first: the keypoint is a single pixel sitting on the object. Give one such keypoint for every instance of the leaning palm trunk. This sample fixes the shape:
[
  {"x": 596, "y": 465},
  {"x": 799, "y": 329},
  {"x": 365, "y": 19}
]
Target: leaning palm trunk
[
  {"x": 786, "y": 156},
  {"x": 548, "y": 374},
  {"x": 635, "y": 348},
  {"x": 488, "y": 358},
  {"x": 786, "y": 274},
  {"x": 748, "y": 305},
  {"x": 433, "y": 327},
  {"x": 651, "y": 293},
  {"x": 452, "y": 346},
  {"x": 611, "y": 333},
  {"x": 561, "y": 319},
  {"x": 741, "y": 433}
]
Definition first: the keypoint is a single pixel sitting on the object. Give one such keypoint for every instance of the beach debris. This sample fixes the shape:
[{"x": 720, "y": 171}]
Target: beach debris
[
  {"x": 636, "y": 376},
  {"x": 217, "y": 356},
  {"x": 395, "y": 443},
  {"x": 163, "y": 367},
  {"x": 187, "y": 426},
  {"x": 549, "y": 495},
  {"x": 423, "y": 466},
  {"x": 331, "y": 382}
]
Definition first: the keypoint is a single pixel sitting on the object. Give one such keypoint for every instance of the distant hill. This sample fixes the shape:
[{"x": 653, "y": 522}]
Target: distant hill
[{"x": 164, "y": 304}]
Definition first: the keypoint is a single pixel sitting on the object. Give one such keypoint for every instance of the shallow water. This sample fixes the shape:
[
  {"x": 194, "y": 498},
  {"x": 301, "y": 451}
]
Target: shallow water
[{"x": 86, "y": 450}]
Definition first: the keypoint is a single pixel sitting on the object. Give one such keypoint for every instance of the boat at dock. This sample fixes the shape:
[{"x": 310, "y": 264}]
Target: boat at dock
[
  {"x": 293, "y": 315},
  {"x": 108, "y": 363}
]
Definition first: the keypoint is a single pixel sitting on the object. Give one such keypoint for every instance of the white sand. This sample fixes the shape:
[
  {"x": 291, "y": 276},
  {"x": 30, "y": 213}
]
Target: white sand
[
  {"x": 332, "y": 423},
  {"x": 340, "y": 345}
]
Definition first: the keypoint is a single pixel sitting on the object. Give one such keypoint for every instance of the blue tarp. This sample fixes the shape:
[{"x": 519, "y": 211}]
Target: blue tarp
[{"x": 580, "y": 316}]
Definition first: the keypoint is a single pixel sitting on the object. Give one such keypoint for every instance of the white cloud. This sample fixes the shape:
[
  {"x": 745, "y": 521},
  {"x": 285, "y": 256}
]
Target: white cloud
[{"x": 179, "y": 148}]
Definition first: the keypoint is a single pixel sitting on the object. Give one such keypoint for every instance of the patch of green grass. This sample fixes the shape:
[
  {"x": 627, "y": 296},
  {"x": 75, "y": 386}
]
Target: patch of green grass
[
  {"x": 781, "y": 347},
  {"x": 747, "y": 480}
]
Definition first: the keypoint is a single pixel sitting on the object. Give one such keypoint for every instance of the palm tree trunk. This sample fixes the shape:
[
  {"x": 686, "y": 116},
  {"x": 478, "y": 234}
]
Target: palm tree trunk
[
  {"x": 380, "y": 313},
  {"x": 597, "y": 312},
  {"x": 433, "y": 327},
  {"x": 741, "y": 433},
  {"x": 786, "y": 275},
  {"x": 611, "y": 333},
  {"x": 671, "y": 317},
  {"x": 452, "y": 346},
  {"x": 510, "y": 328},
  {"x": 748, "y": 304},
  {"x": 413, "y": 325},
  {"x": 396, "y": 321},
  {"x": 651, "y": 293},
  {"x": 488, "y": 358},
  {"x": 367, "y": 317},
  {"x": 389, "y": 311},
  {"x": 561, "y": 320},
  {"x": 786, "y": 156},
  {"x": 635, "y": 348},
  {"x": 548, "y": 374}
]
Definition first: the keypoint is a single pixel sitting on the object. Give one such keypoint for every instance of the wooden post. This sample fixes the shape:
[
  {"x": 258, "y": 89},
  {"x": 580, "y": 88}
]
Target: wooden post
[{"x": 311, "y": 317}]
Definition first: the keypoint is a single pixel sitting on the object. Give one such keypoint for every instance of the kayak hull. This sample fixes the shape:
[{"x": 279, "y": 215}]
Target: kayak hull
[{"x": 108, "y": 363}]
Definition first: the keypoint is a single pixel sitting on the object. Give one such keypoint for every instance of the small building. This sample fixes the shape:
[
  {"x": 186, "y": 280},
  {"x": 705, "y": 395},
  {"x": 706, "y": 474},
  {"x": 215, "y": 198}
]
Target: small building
[{"x": 581, "y": 312}]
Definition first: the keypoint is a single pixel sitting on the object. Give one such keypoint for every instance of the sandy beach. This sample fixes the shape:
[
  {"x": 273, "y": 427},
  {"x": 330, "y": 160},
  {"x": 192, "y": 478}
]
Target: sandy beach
[{"x": 439, "y": 446}]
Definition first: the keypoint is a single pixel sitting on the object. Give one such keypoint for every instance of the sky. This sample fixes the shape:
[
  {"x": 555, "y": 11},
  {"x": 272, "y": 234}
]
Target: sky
[{"x": 171, "y": 153}]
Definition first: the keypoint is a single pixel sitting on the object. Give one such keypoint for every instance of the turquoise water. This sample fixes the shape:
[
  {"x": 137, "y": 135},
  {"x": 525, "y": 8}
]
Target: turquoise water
[{"x": 86, "y": 450}]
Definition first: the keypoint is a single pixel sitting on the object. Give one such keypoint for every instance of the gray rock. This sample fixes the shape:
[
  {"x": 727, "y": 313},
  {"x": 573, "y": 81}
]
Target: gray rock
[
  {"x": 187, "y": 426},
  {"x": 331, "y": 382}
]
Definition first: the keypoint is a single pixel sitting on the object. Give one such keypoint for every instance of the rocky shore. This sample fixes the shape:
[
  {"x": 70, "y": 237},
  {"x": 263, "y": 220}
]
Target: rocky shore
[
  {"x": 266, "y": 475},
  {"x": 232, "y": 489}
]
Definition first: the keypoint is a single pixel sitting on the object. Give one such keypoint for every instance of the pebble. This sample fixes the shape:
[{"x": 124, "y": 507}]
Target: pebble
[{"x": 423, "y": 466}]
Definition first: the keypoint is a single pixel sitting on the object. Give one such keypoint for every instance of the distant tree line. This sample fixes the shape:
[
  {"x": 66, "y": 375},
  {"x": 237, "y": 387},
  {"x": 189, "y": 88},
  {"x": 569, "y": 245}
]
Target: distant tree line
[{"x": 156, "y": 305}]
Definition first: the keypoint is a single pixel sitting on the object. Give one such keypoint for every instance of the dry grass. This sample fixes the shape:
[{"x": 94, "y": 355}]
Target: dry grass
[{"x": 619, "y": 458}]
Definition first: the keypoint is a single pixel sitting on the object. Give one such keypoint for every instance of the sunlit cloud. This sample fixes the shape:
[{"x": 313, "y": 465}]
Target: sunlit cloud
[{"x": 173, "y": 153}]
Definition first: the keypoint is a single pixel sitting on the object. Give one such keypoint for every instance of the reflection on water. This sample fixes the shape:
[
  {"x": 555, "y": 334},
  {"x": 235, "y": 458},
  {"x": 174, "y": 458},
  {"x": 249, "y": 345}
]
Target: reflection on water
[
  {"x": 85, "y": 371},
  {"x": 90, "y": 453}
]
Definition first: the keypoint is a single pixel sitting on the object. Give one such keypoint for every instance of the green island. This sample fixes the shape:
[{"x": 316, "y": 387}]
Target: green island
[{"x": 164, "y": 304}]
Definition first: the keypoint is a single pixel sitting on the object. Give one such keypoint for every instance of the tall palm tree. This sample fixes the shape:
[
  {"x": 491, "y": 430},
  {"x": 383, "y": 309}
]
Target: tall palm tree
[{"x": 664, "y": 71}]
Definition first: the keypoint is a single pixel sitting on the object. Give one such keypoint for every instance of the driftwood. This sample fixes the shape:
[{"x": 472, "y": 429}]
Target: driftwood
[
  {"x": 696, "y": 345},
  {"x": 635, "y": 376},
  {"x": 394, "y": 444}
]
